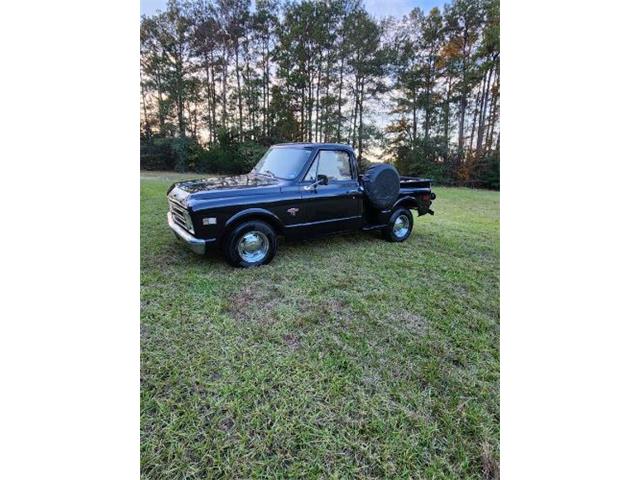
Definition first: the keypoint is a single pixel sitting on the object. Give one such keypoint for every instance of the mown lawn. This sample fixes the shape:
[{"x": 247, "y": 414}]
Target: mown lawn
[{"x": 346, "y": 357}]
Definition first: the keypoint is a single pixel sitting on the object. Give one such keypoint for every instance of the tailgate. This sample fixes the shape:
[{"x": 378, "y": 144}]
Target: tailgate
[{"x": 415, "y": 182}]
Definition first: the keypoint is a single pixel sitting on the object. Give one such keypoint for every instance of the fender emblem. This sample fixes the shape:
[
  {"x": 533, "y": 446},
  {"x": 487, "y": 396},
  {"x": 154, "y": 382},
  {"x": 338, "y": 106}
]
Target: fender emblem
[{"x": 293, "y": 211}]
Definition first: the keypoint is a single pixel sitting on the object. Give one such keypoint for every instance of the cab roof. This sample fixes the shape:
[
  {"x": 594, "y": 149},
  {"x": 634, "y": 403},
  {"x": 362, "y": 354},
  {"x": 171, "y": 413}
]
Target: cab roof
[{"x": 335, "y": 146}]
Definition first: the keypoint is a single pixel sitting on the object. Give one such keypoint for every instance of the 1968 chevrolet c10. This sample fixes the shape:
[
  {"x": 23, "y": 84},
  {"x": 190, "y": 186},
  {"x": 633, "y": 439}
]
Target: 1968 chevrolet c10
[{"x": 296, "y": 190}]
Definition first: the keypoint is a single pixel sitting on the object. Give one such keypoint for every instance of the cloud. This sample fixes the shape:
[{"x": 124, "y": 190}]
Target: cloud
[
  {"x": 378, "y": 8},
  {"x": 398, "y": 8},
  {"x": 149, "y": 7}
]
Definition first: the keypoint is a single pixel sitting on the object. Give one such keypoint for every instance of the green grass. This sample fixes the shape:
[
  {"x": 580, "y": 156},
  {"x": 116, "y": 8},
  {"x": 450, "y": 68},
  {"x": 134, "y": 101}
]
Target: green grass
[{"x": 346, "y": 357}]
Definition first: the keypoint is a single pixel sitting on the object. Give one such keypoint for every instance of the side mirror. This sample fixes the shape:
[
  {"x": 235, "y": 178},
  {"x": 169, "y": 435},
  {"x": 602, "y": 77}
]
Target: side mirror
[{"x": 321, "y": 180}]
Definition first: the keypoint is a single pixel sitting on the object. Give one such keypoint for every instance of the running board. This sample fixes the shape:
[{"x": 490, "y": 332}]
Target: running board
[{"x": 366, "y": 228}]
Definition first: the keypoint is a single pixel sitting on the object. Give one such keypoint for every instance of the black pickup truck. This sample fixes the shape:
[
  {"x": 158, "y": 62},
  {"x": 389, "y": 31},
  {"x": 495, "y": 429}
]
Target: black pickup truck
[{"x": 297, "y": 190}]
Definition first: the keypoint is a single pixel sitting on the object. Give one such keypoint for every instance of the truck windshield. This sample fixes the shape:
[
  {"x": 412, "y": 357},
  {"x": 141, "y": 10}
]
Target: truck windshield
[{"x": 285, "y": 163}]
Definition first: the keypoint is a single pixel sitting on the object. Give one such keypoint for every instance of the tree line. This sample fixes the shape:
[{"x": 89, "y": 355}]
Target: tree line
[{"x": 223, "y": 79}]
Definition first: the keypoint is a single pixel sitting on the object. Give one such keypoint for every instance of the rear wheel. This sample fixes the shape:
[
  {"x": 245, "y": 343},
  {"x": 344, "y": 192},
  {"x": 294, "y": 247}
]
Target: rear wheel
[
  {"x": 250, "y": 244},
  {"x": 400, "y": 226}
]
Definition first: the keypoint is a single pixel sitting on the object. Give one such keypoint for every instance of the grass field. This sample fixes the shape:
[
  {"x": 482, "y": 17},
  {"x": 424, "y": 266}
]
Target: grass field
[{"x": 346, "y": 357}]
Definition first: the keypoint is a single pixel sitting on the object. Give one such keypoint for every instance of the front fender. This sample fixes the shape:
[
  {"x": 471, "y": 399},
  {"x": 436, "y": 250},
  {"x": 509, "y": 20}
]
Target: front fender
[{"x": 254, "y": 213}]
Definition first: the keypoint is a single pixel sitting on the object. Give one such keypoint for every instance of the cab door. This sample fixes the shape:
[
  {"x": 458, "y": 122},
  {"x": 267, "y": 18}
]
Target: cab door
[{"x": 338, "y": 205}]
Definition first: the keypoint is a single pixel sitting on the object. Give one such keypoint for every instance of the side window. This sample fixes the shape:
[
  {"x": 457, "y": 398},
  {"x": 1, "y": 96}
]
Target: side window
[{"x": 334, "y": 164}]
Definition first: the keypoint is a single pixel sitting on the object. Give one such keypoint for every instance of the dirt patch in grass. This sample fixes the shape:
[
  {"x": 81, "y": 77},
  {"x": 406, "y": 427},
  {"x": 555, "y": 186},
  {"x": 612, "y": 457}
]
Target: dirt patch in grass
[
  {"x": 409, "y": 322},
  {"x": 333, "y": 306},
  {"x": 254, "y": 303},
  {"x": 144, "y": 333},
  {"x": 292, "y": 341},
  {"x": 226, "y": 424},
  {"x": 490, "y": 465},
  {"x": 264, "y": 304}
]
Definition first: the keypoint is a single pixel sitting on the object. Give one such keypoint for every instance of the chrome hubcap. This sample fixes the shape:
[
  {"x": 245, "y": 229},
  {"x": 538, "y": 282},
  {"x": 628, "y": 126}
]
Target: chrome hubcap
[
  {"x": 253, "y": 246},
  {"x": 401, "y": 226}
]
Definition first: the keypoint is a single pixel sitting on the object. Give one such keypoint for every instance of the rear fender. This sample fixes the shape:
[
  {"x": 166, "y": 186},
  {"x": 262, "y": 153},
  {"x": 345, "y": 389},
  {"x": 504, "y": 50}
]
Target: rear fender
[
  {"x": 406, "y": 202},
  {"x": 418, "y": 202}
]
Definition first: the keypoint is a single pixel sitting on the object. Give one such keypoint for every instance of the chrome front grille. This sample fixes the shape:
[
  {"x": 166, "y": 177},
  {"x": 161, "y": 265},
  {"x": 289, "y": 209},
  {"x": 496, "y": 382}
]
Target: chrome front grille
[{"x": 181, "y": 216}]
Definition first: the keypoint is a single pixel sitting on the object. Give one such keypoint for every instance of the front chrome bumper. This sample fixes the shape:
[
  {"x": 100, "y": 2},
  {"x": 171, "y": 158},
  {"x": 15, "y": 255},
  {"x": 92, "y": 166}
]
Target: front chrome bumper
[{"x": 198, "y": 245}]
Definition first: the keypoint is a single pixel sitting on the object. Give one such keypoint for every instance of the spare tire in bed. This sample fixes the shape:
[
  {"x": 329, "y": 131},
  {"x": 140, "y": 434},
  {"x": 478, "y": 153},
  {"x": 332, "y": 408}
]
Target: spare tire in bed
[{"x": 381, "y": 185}]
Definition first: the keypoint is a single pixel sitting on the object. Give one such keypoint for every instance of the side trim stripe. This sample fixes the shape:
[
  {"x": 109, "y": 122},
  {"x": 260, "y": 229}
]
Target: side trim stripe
[{"x": 322, "y": 221}]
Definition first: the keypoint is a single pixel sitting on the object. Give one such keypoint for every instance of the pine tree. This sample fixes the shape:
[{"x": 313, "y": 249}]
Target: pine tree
[{"x": 219, "y": 76}]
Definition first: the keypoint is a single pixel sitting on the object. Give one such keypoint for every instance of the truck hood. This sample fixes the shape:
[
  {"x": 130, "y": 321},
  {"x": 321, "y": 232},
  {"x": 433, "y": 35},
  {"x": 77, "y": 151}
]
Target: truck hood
[{"x": 229, "y": 186}]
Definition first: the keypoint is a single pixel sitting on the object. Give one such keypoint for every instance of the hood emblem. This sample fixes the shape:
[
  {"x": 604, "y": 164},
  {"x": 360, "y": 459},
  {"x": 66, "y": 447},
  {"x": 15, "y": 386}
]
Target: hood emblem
[{"x": 293, "y": 211}]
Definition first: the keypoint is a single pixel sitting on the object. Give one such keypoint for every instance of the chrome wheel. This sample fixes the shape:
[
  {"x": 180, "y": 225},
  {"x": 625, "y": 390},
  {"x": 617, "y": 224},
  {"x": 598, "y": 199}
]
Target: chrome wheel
[
  {"x": 253, "y": 246},
  {"x": 401, "y": 226}
]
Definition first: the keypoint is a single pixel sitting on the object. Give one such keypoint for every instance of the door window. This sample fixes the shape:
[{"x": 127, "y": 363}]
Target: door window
[{"x": 334, "y": 164}]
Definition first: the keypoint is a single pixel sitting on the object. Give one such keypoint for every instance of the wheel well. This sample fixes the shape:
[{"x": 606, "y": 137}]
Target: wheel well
[
  {"x": 406, "y": 202},
  {"x": 254, "y": 216}
]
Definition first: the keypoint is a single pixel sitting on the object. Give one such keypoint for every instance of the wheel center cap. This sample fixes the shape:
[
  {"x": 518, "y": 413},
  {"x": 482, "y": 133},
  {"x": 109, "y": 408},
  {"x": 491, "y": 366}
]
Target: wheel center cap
[{"x": 251, "y": 243}]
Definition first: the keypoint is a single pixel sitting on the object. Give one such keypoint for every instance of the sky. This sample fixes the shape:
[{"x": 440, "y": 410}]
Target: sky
[{"x": 378, "y": 8}]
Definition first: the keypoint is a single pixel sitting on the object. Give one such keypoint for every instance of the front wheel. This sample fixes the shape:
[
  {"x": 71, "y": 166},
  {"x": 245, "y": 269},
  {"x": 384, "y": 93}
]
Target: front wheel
[
  {"x": 400, "y": 226},
  {"x": 250, "y": 244}
]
